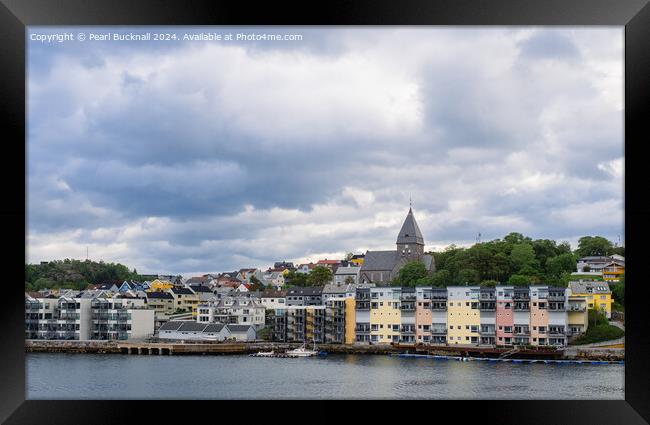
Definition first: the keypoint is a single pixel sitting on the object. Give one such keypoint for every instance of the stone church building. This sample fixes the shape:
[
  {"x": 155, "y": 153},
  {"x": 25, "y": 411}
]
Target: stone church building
[{"x": 380, "y": 267}]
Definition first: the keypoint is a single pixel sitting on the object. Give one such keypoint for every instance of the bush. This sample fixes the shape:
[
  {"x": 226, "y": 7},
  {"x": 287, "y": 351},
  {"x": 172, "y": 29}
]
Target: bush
[{"x": 599, "y": 333}]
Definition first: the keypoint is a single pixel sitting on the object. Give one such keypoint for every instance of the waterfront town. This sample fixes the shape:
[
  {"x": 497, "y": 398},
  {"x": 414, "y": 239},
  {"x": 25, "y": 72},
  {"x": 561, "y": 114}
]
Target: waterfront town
[{"x": 351, "y": 301}]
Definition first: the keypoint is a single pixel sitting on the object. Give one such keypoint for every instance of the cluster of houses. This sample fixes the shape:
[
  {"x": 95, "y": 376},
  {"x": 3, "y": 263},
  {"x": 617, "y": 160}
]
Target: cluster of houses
[{"x": 357, "y": 306}]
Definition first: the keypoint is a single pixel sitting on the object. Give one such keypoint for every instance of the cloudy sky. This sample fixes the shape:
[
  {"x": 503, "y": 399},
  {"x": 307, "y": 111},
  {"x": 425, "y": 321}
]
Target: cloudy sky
[{"x": 193, "y": 157}]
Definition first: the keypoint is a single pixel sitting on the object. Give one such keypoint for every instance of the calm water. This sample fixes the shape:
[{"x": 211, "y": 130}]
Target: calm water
[{"x": 79, "y": 376}]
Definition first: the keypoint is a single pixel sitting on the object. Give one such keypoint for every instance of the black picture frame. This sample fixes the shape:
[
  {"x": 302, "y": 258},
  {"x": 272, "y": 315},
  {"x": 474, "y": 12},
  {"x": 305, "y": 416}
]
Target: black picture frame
[{"x": 15, "y": 15}]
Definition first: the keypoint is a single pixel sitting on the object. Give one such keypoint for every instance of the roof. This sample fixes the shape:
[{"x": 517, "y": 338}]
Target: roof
[
  {"x": 307, "y": 291},
  {"x": 197, "y": 279},
  {"x": 410, "y": 232},
  {"x": 326, "y": 261},
  {"x": 380, "y": 260},
  {"x": 347, "y": 270},
  {"x": 161, "y": 295},
  {"x": 200, "y": 288},
  {"x": 191, "y": 326},
  {"x": 239, "y": 328},
  {"x": 171, "y": 325},
  {"x": 181, "y": 291},
  {"x": 333, "y": 288},
  {"x": 584, "y": 287},
  {"x": 273, "y": 294},
  {"x": 214, "y": 327}
]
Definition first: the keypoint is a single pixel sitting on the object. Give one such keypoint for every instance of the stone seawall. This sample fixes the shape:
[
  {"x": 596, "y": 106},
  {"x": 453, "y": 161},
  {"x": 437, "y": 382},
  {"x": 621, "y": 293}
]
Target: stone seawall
[{"x": 178, "y": 348}]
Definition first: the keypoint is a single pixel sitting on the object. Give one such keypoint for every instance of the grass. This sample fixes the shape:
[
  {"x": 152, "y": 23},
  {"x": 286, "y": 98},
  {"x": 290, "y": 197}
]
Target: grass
[{"x": 599, "y": 333}]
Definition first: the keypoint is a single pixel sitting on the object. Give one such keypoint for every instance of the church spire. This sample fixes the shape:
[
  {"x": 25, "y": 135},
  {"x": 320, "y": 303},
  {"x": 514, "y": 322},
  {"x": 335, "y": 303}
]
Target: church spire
[{"x": 410, "y": 232}]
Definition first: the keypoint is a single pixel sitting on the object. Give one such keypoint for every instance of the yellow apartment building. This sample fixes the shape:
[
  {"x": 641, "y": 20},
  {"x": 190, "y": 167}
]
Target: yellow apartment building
[
  {"x": 597, "y": 294},
  {"x": 463, "y": 315},
  {"x": 385, "y": 315}
]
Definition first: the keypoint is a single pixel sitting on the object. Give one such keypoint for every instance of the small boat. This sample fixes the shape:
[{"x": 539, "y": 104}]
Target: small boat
[
  {"x": 302, "y": 351},
  {"x": 264, "y": 354}
]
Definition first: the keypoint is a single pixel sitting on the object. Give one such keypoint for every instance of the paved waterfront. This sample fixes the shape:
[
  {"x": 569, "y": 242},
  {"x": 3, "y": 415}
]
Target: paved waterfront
[{"x": 98, "y": 376}]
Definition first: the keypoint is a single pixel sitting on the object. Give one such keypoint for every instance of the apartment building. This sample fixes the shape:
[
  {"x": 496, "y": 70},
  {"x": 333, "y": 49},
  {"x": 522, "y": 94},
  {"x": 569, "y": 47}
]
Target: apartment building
[
  {"x": 87, "y": 316},
  {"x": 162, "y": 303},
  {"x": 231, "y": 310},
  {"x": 185, "y": 299},
  {"x": 385, "y": 316},
  {"x": 597, "y": 294},
  {"x": 121, "y": 318},
  {"x": 463, "y": 315}
]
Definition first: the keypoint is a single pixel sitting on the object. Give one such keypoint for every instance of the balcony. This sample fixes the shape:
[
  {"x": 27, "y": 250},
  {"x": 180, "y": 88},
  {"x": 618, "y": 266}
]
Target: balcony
[
  {"x": 439, "y": 306},
  {"x": 485, "y": 330},
  {"x": 522, "y": 331},
  {"x": 555, "y": 306},
  {"x": 407, "y": 297},
  {"x": 407, "y": 306},
  {"x": 521, "y": 296},
  {"x": 438, "y": 331},
  {"x": 408, "y": 330},
  {"x": 363, "y": 305},
  {"x": 521, "y": 306},
  {"x": 487, "y": 295},
  {"x": 487, "y": 306},
  {"x": 555, "y": 296},
  {"x": 577, "y": 307}
]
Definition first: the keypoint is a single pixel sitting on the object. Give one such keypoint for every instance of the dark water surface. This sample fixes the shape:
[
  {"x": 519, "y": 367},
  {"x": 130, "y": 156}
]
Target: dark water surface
[{"x": 97, "y": 376}]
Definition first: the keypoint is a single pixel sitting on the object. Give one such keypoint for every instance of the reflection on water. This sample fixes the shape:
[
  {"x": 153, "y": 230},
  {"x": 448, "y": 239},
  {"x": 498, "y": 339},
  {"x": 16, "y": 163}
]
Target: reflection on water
[{"x": 74, "y": 376}]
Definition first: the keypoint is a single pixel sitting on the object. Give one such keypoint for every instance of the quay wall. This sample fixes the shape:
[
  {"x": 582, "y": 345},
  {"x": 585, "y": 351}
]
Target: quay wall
[{"x": 178, "y": 348}]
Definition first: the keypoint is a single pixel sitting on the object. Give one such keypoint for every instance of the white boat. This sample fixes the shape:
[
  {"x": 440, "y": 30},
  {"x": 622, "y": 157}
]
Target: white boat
[
  {"x": 302, "y": 351},
  {"x": 264, "y": 354}
]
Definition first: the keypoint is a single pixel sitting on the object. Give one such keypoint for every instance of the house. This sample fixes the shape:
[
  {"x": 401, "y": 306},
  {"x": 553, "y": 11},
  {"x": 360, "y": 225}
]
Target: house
[
  {"x": 229, "y": 280},
  {"x": 330, "y": 264},
  {"x": 610, "y": 268},
  {"x": 345, "y": 275},
  {"x": 190, "y": 330},
  {"x": 597, "y": 294},
  {"x": 247, "y": 274},
  {"x": 272, "y": 299},
  {"x": 382, "y": 266},
  {"x": 274, "y": 277},
  {"x": 242, "y": 288},
  {"x": 232, "y": 310},
  {"x": 302, "y": 296},
  {"x": 184, "y": 299},
  {"x": 202, "y": 291},
  {"x": 160, "y": 285},
  {"x": 197, "y": 280},
  {"x": 357, "y": 259},
  {"x": 305, "y": 268},
  {"x": 107, "y": 286},
  {"x": 162, "y": 303},
  {"x": 284, "y": 265},
  {"x": 242, "y": 332}
]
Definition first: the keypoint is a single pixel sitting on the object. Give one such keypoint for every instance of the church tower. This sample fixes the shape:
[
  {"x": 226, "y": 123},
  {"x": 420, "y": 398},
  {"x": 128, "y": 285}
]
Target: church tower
[{"x": 410, "y": 243}]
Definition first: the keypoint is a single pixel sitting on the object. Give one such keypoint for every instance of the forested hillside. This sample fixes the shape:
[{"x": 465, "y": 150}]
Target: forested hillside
[{"x": 75, "y": 274}]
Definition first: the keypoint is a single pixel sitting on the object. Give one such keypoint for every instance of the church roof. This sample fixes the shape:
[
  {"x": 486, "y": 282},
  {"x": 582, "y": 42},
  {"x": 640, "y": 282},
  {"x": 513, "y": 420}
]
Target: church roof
[
  {"x": 410, "y": 232},
  {"x": 380, "y": 260}
]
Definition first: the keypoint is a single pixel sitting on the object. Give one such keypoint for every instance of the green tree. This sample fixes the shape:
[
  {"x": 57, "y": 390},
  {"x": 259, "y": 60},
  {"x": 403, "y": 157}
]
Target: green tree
[
  {"x": 515, "y": 238},
  {"x": 522, "y": 255},
  {"x": 441, "y": 278},
  {"x": 410, "y": 273},
  {"x": 470, "y": 276},
  {"x": 518, "y": 280},
  {"x": 594, "y": 246},
  {"x": 349, "y": 280},
  {"x": 562, "y": 263},
  {"x": 294, "y": 278},
  {"x": 319, "y": 276},
  {"x": 489, "y": 283}
]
